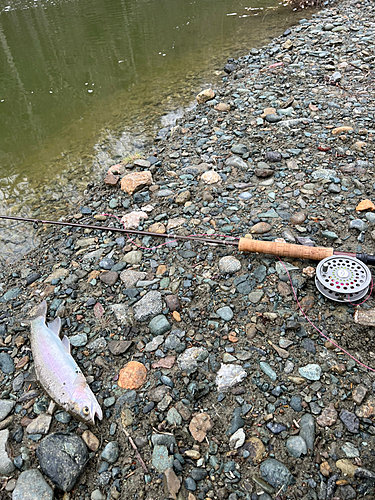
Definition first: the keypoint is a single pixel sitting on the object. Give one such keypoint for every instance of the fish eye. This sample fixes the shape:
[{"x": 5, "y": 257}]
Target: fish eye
[{"x": 86, "y": 410}]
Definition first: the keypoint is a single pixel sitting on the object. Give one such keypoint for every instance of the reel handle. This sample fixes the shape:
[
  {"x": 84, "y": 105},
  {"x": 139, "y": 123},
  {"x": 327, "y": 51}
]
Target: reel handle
[{"x": 284, "y": 249}]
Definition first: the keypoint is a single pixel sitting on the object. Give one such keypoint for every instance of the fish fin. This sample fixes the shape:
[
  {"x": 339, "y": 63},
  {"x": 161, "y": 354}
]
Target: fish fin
[
  {"x": 66, "y": 343},
  {"x": 55, "y": 326}
]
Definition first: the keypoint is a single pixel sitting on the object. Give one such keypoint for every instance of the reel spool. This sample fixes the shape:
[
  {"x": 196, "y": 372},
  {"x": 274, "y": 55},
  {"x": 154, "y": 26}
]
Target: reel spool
[{"x": 343, "y": 279}]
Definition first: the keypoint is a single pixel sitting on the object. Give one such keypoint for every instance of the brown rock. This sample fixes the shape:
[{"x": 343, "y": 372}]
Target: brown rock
[
  {"x": 222, "y": 106},
  {"x": 183, "y": 197},
  {"x": 261, "y": 228},
  {"x": 132, "y": 376},
  {"x": 173, "y": 223},
  {"x": 173, "y": 302},
  {"x": 157, "y": 227},
  {"x": 134, "y": 182},
  {"x": 307, "y": 302},
  {"x": 171, "y": 483},
  {"x": 340, "y": 130},
  {"x": 109, "y": 277},
  {"x": 92, "y": 442},
  {"x": 262, "y": 173},
  {"x": 283, "y": 289},
  {"x": 268, "y": 111},
  {"x": 132, "y": 220},
  {"x": 207, "y": 196},
  {"x": 280, "y": 351},
  {"x": 256, "y": 449},
  {"x": 22, "y": 362},
  {"x": 19, "y": 341},
  {"x": 199, "y": 426},
  {"x": 158, "y": 393},
  {"x": 183, "y": 410},
  {"x": 126, "y": 417},
  {"x": 205, "y": 95},
  {"x": 298, "y": 218},
  {"x": 346, "y": 467},
  {"x": 118, "y": 347},
  {"x": 325, "y": 469},
  {"x": 111, "y": 180},
  {"x": 366, "y": 410},
  {"x": 166, "y": 362},
  {"x": 211, "y": 177},
  {"x": 162, "y": 269},
  {"x": 328, "y": 417},
  {"x": 250, "y": 330},
  {"x": 359, "y": 394},
  {"x": 340, "y": 368}
]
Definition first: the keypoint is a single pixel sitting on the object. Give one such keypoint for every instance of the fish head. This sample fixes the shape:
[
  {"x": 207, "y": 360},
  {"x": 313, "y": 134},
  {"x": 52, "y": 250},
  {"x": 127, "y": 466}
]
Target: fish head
[{"x": 86, "y": 408}]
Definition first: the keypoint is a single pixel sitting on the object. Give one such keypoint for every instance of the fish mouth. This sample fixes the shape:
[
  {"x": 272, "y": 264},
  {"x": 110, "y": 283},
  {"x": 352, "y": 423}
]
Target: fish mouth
[{"x": 97, "y": 413}]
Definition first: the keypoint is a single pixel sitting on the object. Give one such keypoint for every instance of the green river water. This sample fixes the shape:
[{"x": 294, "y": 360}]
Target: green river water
[{"x": 83, "y": 81}]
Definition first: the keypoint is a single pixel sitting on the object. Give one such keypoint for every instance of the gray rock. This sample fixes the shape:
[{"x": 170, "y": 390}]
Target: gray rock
[
  {"x": 78, "y": 340},
  {"x": 111, "y": 452},
  {"x": 350, "y": 420},
  {"x": 256, "y": 296},
  {"x": 350, "y": 450},
  {"x": 237, "y": 162},
  {"x": 6, "y": 406},
  {"x": 307, "y": 430},
  {"x": 229, "y": 265},
  {"x": 310, "y": 371},
  {"x": 225, "y": 313},
  {"x": 358, "y": 224},
  {"x": 62, "y": 457},
  {"x": 370, "y": 216},
  {"x": 239, "y": 149},
  {"x": 159, "y": 325},
  {"x": 296, "y": 446},
  {"x": 154, "y": 344},
  {"x": 149, "y": 306},
  {"x": 275, "y": 473},
  {"x": 265, "y": 367},
  {"x": 6, "y": 363},
  {"x": 329, "y": 235},
  {"x": 161, "y": 459},
  {"x": 173, "y": 417},
  {"x": 6, "y": 464},
  {"x": 31, "y": 485},
  {"x": 189, "y": 359}
]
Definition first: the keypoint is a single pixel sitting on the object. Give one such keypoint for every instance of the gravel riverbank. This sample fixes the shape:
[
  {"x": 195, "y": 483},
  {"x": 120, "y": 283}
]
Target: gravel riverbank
[{"x": 235, "y": 394}]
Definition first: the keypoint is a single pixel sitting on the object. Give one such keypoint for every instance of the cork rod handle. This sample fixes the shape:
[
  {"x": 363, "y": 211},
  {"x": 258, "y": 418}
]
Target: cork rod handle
[{"x": 284, "y": 249}]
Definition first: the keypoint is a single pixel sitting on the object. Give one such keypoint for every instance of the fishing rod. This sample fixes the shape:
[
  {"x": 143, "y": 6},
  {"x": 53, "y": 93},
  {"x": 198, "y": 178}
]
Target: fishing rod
[{"x": 279, "y": 249}]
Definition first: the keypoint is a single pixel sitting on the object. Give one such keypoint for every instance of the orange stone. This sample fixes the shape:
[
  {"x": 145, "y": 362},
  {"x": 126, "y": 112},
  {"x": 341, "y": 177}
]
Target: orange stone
[
  {"x": 176, "y": 316},
  {"x": 132, "y": 376},
  {"x": 136, "y": 181},
  {"x": 365, "y": 205}
]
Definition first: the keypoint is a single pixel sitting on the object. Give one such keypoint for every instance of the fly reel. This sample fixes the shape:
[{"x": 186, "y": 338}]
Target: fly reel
[{"x": 342, "y": 278}]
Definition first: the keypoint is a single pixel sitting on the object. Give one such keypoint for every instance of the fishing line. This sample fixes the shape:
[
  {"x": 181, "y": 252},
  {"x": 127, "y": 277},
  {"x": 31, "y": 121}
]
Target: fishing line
[{"x": 317, "y": 329}]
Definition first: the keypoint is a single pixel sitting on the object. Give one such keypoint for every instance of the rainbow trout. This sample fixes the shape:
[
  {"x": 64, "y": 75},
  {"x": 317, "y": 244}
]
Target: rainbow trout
[{"x": 57, "y": 371}]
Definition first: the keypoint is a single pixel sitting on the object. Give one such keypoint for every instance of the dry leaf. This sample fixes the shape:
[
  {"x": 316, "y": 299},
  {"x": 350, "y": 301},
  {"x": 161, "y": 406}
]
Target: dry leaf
[
  {"x": 98, "y": 310},
  {"x": 199, "y": 426}
]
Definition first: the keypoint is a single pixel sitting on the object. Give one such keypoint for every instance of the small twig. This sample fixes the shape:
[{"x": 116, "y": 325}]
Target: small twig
[
  {"x": 140, "y": 459},
  {"x": 356, "y": 67},
  {"x": 126, "y": 477}
]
